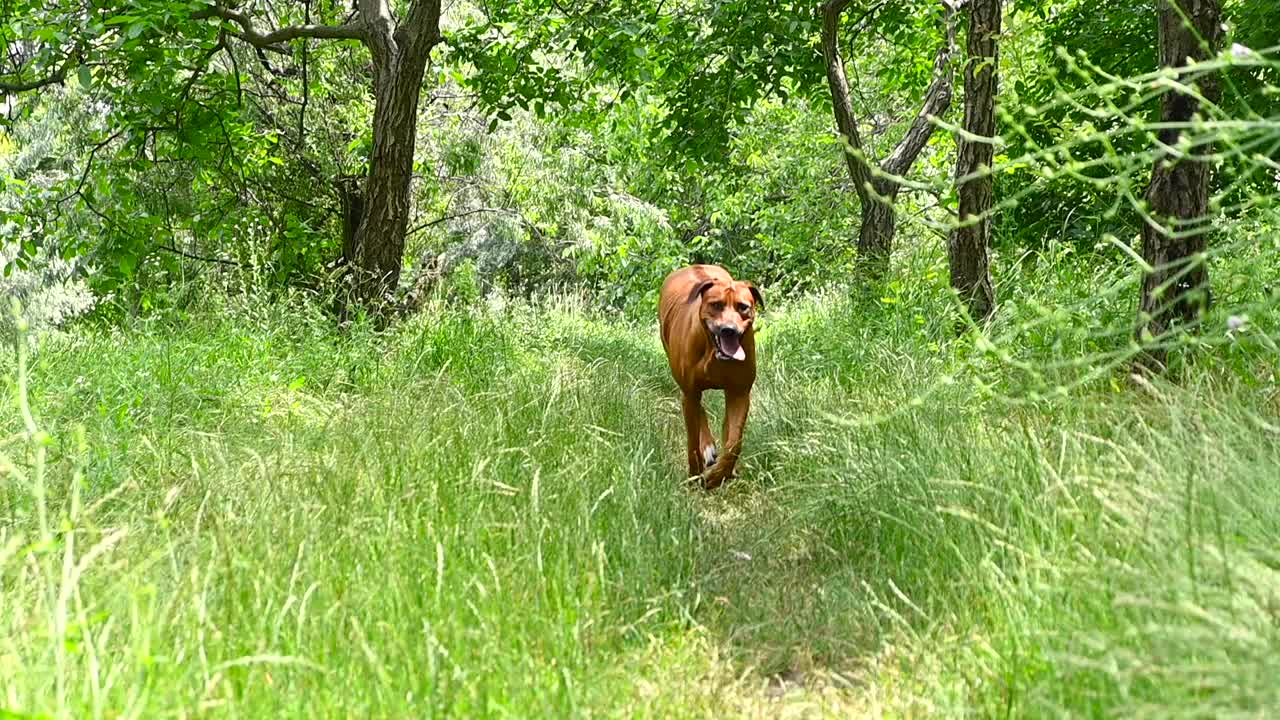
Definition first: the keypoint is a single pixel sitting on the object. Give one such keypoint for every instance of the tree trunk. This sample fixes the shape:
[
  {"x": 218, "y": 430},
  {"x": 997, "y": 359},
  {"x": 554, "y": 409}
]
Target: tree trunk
[
  {"x": 1176, "y": 292},
  {"x": 878, "y": 225},
  {"x": 400, "y": 57},
  {"x": 379, "y": 239},
  {"x": 351, "y": 196},
  {"x": 968, "y": 245},
  {"x": 877, "y": 186}
]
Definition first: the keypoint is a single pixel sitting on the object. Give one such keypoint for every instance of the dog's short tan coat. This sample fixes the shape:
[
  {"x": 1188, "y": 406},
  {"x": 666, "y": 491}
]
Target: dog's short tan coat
[{"x": 707, "y": 321}]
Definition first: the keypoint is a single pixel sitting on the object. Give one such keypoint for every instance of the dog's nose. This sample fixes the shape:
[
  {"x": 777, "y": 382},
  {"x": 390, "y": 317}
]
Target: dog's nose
[{"x": 728, "y": 332}]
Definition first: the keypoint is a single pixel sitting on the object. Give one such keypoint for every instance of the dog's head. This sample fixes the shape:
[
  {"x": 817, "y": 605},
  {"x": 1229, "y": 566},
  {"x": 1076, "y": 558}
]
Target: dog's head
[{"x": 727, "y": 313}]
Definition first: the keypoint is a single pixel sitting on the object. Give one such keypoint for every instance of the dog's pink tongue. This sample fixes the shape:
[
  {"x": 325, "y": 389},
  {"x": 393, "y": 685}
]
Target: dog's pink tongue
[{"x": 732, "y": 347}]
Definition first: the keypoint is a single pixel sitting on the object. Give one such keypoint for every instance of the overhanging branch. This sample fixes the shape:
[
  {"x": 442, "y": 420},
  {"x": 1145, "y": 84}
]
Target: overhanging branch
[
  {"x": 274, "y": 38},
  {"x": 57, "y": 77},
  {"x": 937, "y": 99},
  {"x": 465, "y": 213},
  {"x": 201, "y": 258}
]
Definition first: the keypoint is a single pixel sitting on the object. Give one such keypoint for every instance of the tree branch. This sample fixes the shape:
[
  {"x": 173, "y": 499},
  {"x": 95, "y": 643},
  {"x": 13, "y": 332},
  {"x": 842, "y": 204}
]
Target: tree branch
[
  {"x": 235, "y": 72},
  {"x": 465, "y": 213},
  {"x": 88, "y": 165},
  {"x": 201, "y": 258},
  {"x": 11, "y": 87},
  {"x": 379, "y": 31},
  {"x": 420, "y": 31},
  {"x": 272, "y": 39},
  {"x": 868, "y": 14},
  {"x": 196, "y": 72},
  {"x": 841, "y": 104},
  {"x": 936, "y": 101},
  {"x": 306, "y": 88}
]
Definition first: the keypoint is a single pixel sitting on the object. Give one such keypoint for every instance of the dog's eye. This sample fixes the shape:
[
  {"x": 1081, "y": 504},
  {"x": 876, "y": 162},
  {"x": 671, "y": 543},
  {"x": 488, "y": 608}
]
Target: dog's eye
[
  {"x": 744, "y": 309},
  {"x": 717, "y": 306}
]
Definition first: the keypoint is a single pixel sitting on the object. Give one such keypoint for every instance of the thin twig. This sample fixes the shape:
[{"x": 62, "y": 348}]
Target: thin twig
[
  {"x": 446, "y": 218},
  {"x": 201, "y": 258}
]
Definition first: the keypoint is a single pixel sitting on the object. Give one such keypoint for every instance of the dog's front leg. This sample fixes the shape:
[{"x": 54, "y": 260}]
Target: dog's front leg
[
  {"x": 694, "y": 420},
  {"x": 736, "y": 406},
  {"x": 706, "y": 441}
]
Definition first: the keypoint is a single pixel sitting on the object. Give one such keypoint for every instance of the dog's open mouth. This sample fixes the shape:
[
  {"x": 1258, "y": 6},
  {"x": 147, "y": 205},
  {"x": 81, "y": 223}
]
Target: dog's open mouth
[{"x": 729, "y": 347}]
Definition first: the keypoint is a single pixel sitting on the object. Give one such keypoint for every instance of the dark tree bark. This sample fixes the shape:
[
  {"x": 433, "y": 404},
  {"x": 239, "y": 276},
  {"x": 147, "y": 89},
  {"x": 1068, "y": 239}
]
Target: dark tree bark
[
  {"x": 1174, "y": 234},
  {"x": 969, "y": 243},
  {"x": 400, "y": 58},
  {"x": 351, "y": 196},
  {"x": 876, "y": 185}
]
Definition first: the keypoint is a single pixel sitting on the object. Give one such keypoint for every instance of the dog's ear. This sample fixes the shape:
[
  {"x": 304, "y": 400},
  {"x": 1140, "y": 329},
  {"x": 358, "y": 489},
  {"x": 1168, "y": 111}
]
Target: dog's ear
[
  {"x": 700, "y": 288},
  {"x": 755, "y": 293}
]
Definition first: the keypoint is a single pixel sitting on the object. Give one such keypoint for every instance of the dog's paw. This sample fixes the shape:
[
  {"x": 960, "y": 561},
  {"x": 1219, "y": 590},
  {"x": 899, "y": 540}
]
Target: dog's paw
[{"x": 713, "y": 478}]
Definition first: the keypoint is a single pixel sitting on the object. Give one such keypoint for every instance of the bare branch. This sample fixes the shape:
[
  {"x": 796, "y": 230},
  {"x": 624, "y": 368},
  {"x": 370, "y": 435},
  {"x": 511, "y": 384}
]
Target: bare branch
[
  {"x": 465, "y": 213},
  {"x": 201, "y": 258},
  {"x": 841, "y": 104},
  {"x": 196, "y": 72},
  {"x": 272, "y": 39},
  {"x": 306, "y": 87},
  {"x": 88, "y": 165}
]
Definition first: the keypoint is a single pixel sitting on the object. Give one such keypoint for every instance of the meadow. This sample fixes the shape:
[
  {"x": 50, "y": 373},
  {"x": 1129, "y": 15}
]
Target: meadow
[{"x": 233, "y": 509}]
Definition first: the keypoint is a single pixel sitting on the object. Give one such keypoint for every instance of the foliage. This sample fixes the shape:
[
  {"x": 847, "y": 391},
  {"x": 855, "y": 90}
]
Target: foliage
[
  {"x": 185, "y": 144},
  {"x": 48, "y": 283},
  {"x": 767, "y": 211},
  {"x": 1079, "y": 46},
  {"x": 629, "y": 138},
  {"x": 707, "y": 67},
  {"x": 539, "y": 207}
]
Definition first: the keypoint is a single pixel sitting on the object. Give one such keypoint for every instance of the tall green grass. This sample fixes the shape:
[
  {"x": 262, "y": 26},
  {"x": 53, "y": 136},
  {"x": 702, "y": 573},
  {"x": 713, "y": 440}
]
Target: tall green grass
[{"x": 239, "y": 512}]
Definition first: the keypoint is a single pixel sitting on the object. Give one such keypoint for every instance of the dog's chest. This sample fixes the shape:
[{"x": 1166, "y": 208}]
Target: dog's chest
[{"x": 727, "y": 374}]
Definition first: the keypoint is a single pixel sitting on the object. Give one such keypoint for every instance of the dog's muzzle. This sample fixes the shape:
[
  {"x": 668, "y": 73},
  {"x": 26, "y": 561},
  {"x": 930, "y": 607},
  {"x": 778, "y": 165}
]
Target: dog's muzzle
[{"x": 728, "y": 342}]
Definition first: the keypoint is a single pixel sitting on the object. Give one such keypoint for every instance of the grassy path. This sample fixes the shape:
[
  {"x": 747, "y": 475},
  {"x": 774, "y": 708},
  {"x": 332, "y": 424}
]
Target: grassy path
[{"x": 479, "y": 517}]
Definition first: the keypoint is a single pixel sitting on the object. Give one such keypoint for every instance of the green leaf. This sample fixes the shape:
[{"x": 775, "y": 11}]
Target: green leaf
[{"x": 85, "y": 77}]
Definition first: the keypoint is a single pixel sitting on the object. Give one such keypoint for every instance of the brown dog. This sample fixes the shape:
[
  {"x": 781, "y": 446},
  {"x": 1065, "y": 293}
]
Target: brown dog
[{"x": 707, "y": 321}]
